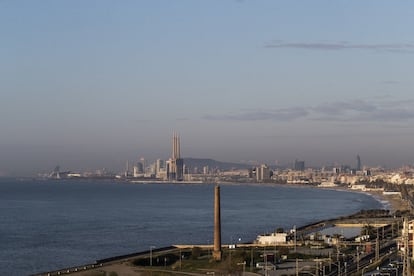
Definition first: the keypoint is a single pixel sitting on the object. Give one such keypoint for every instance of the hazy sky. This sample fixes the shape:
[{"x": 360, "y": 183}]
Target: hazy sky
[{"x": 90, "y": 84}]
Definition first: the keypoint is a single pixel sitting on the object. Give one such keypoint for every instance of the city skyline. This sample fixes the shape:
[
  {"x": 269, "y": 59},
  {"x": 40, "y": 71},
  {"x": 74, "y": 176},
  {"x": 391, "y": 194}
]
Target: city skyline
[{"x": 90, "y": 84}]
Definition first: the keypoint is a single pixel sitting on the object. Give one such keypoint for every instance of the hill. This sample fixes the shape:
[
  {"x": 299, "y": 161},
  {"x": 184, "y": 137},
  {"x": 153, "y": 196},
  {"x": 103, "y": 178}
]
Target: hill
[{"x": 213, "y": 164}]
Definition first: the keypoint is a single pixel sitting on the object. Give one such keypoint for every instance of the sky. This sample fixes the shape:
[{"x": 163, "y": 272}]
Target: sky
[{"x": 91, "y": 84}]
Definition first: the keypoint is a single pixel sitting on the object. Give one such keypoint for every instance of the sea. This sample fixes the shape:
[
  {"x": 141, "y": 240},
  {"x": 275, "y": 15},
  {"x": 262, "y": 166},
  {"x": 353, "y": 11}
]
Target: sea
[{"x": 53, "y": 224}]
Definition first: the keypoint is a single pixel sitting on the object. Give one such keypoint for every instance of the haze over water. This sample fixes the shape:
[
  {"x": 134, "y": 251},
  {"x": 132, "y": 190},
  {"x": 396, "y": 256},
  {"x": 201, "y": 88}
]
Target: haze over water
[{"x": 47, "y": 225}]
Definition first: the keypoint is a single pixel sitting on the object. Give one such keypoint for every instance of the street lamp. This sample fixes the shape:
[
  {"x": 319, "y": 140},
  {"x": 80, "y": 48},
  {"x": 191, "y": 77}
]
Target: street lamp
[
  {"x": 345, "y": 267},
  {"x": 294, "y": 229},
  {"x": 244, "y": 266},
  {"x": 251, "y": 259},
  {"x": 180, "y": 259},
  {"x": 337, "y": 265},
  {"x": 151, "y": 247}
]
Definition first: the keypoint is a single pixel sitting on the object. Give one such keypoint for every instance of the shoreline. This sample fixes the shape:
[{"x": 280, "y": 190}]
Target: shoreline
[
  {"x": 392, "y": 202},
  {"x": 121, "y": 264}
]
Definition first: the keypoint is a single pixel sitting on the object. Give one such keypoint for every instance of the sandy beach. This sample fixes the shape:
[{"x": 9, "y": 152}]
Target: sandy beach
[{"x": 393, "y": 202}]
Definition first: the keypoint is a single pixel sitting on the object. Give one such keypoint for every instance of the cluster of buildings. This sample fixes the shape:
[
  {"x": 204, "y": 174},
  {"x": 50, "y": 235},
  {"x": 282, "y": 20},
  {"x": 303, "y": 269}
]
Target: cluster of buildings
[
  {"x": 167, "y": 170},
  {"x": 171, "y": 170},
  {"x": 369, "y": 176},
  {"x": 176, "y": 169}
]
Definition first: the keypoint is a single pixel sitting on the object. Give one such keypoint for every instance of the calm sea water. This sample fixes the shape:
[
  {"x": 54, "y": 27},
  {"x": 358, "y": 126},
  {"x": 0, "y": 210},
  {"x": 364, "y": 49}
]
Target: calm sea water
[{"x": 47, "y": 225}]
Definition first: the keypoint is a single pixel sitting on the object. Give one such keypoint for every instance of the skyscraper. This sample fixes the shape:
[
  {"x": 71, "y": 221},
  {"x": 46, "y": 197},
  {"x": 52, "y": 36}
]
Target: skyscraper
[
  {"x": 262, "y": 173},
  {"x": 358, "y": 167},
  {"x": 159, "y": 165},
  {"x": 175, "y": 166},
  {"x": 299, "y": 165}
]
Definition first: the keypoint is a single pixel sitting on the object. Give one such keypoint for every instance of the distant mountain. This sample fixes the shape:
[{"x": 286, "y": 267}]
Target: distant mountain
[{"x": 212, "y": 164}]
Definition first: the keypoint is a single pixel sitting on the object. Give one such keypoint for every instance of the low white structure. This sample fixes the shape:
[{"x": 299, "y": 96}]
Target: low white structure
[
  {"x": 391, "y": 193},
  {"x": 327, "y": 184},
  {"x": 361, "y": 187},
  {"x": 362, "y": 238},
  {"x": 274, "y": 238}
]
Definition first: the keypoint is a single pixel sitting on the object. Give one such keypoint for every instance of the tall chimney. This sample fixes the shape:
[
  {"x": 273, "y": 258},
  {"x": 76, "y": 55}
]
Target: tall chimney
[{"x": 217, "y": 225}]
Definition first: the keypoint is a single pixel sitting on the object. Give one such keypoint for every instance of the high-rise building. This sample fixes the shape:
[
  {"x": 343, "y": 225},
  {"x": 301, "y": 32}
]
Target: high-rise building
[
  {"x": 138, "y": 170},
  {"x": 159, "y": 165},
  {"x": 144, "y": 166},
  {"x": 262, "y": 173},
  {"x": 299, "y": 165},
  {"x": 127, "y": 169},
  {"x": 175, "y": 166},
  {"x": 358, "y": 167}
]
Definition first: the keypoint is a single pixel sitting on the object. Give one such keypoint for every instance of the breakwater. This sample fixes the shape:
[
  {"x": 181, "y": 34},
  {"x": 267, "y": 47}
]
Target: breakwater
[{"x": 104, "y": 262}]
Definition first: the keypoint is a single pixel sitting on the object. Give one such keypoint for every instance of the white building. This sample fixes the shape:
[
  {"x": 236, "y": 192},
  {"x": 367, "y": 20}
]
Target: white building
[
  {"x": 361, "y": 187},
  {"x": 263, "y": 173},
  {"x": 274, "y": 238}
]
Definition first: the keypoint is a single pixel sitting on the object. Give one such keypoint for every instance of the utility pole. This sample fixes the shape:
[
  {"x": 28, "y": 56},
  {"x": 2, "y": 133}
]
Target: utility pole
[
  {"x": 294, "y": 229},
  {"x": 265, "y": 260},
  {"x": 297, "y": 267},
  {"x": 357, "y": 258},
  {"x": 330, "y": 262},
  {"x": 337, "y": 258},
  {"x": 251, "y": 259},
  {"x": 151, "y": 247},
  {"x": 339, "y": 268},
  {"x": 406, "y": 257}
]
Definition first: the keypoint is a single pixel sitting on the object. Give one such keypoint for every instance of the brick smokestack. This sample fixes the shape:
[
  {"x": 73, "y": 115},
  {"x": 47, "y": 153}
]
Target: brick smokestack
[{"x": 217, "y": 225}]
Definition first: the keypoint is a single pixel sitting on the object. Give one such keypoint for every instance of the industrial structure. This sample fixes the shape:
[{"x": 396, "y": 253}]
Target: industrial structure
[
  {"x": 175, "y": 165},
  {"x": 217, "y": 225}
]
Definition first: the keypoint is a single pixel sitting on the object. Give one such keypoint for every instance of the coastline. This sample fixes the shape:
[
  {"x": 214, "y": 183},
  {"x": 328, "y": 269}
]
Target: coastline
[
  {"x": 391, "y": 203},
  {"x": 395, "y": 202}
]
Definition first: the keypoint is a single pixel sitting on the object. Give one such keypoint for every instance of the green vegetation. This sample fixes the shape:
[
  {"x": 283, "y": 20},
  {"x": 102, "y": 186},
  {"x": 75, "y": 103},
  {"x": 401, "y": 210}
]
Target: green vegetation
[
  {"x": 200, "y": 260},
  {"x": 158, "y": 260}
]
